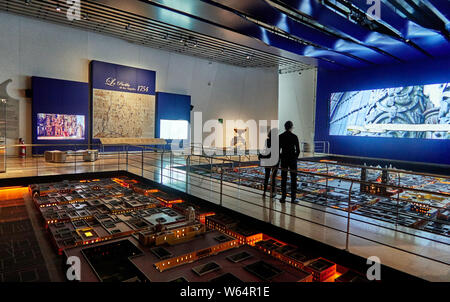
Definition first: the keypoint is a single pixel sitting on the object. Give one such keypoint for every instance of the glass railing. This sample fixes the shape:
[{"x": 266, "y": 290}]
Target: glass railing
[{"x": 404, "y": 211}]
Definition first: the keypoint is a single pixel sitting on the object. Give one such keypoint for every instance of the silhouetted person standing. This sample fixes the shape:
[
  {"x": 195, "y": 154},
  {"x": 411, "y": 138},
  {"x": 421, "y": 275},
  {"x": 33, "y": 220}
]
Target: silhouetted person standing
[
  {"x": 289, "y": 152},
  {"x": 272, "y": 168}
]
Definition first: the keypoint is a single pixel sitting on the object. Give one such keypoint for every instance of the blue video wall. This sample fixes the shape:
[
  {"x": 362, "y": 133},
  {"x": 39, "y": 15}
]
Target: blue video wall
[
  {"x": 60, "y": 113},
  {"x": 385, "y": 143},
  {"x": 420, "y": 111}
]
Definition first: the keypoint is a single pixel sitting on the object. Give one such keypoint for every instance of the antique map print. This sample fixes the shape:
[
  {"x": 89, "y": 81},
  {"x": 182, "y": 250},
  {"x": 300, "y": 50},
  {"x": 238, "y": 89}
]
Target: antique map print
[{"x": 123, "y": 114}]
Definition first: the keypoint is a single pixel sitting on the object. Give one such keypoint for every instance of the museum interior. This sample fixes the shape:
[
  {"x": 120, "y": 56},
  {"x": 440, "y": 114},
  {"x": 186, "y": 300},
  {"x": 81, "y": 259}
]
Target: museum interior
[{"x": 140, "y": 141}]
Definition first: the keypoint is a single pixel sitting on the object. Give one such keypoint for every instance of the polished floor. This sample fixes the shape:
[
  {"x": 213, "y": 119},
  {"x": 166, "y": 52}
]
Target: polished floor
[{"x": 413, "y": 251}]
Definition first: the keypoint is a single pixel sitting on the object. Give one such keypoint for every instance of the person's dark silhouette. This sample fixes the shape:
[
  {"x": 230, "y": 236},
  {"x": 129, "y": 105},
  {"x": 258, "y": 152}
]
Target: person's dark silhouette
[
  {"x": 269, "y": 169},
  {"x": 289, "y": 152}
]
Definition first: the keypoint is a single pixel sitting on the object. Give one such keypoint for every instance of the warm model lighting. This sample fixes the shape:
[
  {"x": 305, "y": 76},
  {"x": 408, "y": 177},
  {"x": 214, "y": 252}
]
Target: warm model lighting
[{"x": 9, "y": 193}]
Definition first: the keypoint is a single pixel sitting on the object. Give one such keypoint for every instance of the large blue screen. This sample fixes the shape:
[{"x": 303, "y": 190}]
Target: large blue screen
[{"x": 421, "y": 111}]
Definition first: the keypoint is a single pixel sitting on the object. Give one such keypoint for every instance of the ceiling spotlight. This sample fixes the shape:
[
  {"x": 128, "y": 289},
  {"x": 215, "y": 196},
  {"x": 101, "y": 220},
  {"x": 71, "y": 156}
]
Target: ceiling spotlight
[
  {"x": 128, "y": 27},
  {"x": 27, "y": 2},
  {"x": 181, "y": 40},
  {"x": 85, "y": 16},
  {"x": 248, "y": 57},
  {"x": 58, "y": 9},
  {"x": 195, "y": 44}
]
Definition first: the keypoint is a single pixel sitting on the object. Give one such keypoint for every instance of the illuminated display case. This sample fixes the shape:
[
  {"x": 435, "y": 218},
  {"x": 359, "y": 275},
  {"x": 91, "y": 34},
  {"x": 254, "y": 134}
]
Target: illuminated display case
[{"x": 2, "y": 135}]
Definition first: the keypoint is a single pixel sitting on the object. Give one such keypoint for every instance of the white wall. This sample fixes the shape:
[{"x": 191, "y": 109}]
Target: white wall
[
  {"x": 297, "y": 102},
  {"x": 29, "y": 47}
]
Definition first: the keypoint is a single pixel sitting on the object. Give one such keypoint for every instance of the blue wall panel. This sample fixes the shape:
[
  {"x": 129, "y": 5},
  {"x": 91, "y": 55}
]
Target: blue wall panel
[
  {"x": 170, "y": 106},
  {"x": 63, "y": 97},
  {"x": 115, "y": 77},
  {"x": 417, "y": 73}
]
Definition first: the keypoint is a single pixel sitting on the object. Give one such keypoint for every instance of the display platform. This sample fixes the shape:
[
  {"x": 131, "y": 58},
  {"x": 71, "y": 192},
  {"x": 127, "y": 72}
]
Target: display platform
[
  {"x": 126, "y": 228},
  {"x": 394, "y": 164},
  {"x": 407, "y": 198}
]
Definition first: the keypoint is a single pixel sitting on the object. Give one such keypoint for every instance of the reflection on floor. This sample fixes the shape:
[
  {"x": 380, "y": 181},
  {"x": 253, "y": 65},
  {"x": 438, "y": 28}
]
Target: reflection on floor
[{"x": 20, "y": 255}]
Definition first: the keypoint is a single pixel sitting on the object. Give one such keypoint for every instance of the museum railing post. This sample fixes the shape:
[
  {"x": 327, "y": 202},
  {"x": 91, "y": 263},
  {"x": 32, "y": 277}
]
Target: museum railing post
[
  {"x": 210, "y": 168},
  {"x": 221, "y": 181},
  {"x": 348, "y": 216},
  {"x": 398, "y": 199},
  {"x": 188, "y": 163},
  {"x": 326, "y": 185},
  {"x": 142, "y": 161},
  {"x": 37, "y": 165},
  {"x": 170, "y": 165},
  {"x": 118, "y": 159},
  {"x": 127, "y": 156},
  {"x": 239, "y": 171},
  {"x": 75, "y": 155},
  {"x": 162, "y": 167}
]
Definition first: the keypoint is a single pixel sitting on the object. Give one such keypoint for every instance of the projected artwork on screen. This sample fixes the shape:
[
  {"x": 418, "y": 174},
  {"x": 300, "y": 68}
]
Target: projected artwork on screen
[
  {"x": 60, "y": 126},
  {"x": 421, "y": 111}
]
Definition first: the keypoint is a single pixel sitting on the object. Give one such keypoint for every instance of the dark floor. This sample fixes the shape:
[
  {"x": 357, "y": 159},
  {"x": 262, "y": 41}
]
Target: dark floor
[{"x": 20, "y": 256}]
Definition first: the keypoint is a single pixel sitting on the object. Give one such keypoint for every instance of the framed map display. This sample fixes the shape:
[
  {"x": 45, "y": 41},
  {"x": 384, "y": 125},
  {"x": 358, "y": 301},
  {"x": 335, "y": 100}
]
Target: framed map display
[{"x": 123, "y": 101}]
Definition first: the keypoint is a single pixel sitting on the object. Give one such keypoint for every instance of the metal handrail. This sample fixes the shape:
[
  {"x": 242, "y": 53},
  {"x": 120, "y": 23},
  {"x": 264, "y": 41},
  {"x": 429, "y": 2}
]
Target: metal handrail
[
  {"x": 352, "y": 218},
  {"x": 165, "y": 160},
  {"x": 341, "y": 178},
  {"x": 355, "y": 219}
]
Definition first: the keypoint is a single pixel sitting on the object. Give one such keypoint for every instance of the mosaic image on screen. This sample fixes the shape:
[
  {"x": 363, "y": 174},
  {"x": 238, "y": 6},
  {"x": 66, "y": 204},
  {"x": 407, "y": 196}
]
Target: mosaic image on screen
[
  {"x": 60, "y": 126},
  {"x": 421, "y": 111}
]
